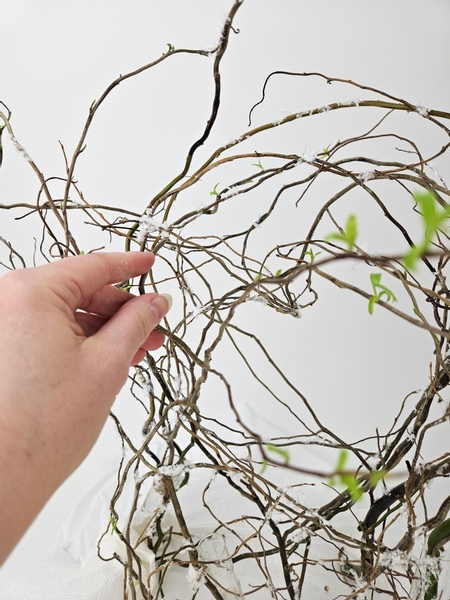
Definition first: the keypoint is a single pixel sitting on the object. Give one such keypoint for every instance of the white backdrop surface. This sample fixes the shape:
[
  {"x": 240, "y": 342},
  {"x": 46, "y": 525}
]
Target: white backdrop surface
[{"x": 57, "y": 57}]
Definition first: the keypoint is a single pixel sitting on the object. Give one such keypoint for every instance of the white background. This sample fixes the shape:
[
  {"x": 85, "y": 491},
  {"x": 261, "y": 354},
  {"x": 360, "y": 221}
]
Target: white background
[{"x": 57, "y": 57}]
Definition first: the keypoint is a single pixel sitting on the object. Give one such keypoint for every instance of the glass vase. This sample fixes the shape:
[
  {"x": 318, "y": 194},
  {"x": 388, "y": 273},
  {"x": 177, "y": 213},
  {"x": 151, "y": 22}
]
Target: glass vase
[{"x": 212, "y": 549}]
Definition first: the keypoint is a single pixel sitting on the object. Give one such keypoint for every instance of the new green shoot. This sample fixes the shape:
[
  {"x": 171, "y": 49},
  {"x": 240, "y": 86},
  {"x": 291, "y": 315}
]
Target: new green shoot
[
  {"x": 214, "y": 192},
  {"x": 312, "y": 255},
  {"x": 380, "y": 292},
  {"x": 348, "y": 235},
  {"x": 347, "y": 480},
  {"x": 284, "y": 454},
  {"x": 433, "y": 218}
]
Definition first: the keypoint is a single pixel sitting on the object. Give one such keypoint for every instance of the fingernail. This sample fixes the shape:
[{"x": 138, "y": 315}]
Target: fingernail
[
  {"x": 159, "y": 306},
  {"x": 169, "y": 300}
]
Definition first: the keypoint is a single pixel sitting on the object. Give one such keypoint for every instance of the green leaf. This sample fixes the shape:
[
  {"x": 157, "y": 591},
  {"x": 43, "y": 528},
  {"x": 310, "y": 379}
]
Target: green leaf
[
  {"x": 312, "y": 255},
  {"x": 258, "y": 164},
  {"x": 351, "y": 231},
  {"x": 280, "y": 451},
  {"x": 326, "y": 151},
  {"x": 214, "y": 192},
  {"x": 349, "y": 234},
  {"x": 379, "y": 292},
  {"x": 439, "y": 536},
  {"x": 432, "y": 220},
  {"x": 113, "y": 522},
  {"x": 278, "y": 273},
  {"x": 372, "y": 301},
  {"x": 348, "y": 480},
  {"x": 352, "y": 485},
  {"x": 375, "y": 279},
  {"x": 432, "y": 590},
  {"x": 171, "y": 48},
  {"x": 342, "y": 460},
  {"x": 410, "y": 260},
  {"x": 387, "y": 292},
  {"x": 376, "y": 476}
]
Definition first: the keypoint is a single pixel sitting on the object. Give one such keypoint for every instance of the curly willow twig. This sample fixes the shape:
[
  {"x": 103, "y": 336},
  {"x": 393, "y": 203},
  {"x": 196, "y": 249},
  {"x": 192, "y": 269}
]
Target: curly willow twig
[{"x": 278, "y": 542}]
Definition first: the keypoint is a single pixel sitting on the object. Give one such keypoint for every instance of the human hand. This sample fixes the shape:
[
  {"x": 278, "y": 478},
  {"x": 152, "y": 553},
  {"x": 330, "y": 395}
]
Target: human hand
[{"x": 67, "y": 339}]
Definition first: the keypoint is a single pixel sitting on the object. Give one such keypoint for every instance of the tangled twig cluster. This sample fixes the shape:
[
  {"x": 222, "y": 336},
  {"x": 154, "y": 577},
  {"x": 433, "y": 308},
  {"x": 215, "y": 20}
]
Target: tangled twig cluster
[{"x": 201, "y": 480}]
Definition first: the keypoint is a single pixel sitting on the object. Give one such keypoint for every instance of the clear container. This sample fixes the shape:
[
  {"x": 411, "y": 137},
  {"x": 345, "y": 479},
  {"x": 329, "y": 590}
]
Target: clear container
[{"x": 212, "y": 549}]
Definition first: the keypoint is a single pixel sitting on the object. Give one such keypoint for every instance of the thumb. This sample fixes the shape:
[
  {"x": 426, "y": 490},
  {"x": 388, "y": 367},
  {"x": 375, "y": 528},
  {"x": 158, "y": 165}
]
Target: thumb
[{"x": 122, "y": 336}]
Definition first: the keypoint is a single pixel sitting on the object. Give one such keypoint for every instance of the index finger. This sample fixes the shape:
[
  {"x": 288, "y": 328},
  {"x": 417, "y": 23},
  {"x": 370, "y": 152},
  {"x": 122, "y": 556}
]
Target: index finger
[{"x": 81, "y": 276}]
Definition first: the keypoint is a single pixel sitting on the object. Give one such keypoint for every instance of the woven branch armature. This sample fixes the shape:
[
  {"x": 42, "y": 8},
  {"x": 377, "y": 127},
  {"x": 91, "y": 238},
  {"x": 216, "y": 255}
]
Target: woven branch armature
[{"x": 246, "y": 238}]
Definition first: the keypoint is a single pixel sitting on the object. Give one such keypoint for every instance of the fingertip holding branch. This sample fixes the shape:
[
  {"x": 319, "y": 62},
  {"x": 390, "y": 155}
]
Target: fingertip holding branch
[{"x": 160, "y": 306}]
